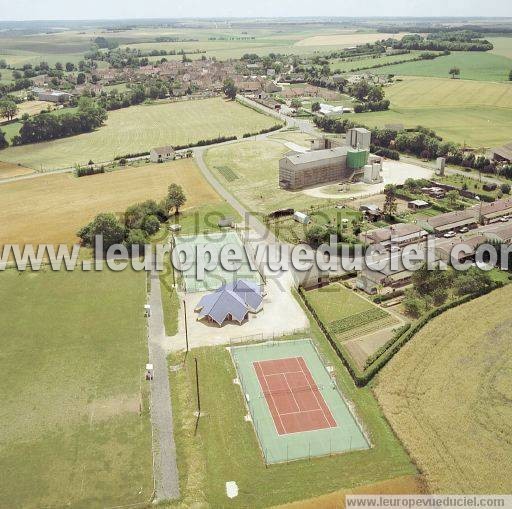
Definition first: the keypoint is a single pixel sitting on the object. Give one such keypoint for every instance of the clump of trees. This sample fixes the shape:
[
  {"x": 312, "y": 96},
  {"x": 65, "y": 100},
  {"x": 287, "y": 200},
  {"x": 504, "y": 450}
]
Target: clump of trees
[
  {"x": 461, "y": 40},
  {"x": 46, "y": 126},
  {"x": 370, "y": 97},
  {"x": 432, "y": 288},
  {"x": 139, "y": 222},
  {"x": 3, "y": 140}
]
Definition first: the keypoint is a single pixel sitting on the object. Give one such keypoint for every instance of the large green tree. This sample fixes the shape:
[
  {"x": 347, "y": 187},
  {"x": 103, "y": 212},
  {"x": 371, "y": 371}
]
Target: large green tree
[
  {"x": 175, "y": 198},
  {"x": 8, "y": 109},
  {"x": 230, "y": 89}
]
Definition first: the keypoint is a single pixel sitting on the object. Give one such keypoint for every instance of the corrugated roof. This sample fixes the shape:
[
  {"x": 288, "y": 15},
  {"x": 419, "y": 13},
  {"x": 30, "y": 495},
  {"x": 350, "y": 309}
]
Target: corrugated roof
[{"x": 317, "y": 155}]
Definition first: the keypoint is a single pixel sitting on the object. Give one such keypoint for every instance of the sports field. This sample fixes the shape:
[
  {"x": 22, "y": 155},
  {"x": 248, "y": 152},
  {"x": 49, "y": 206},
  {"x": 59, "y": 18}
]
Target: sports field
[
  {"x": 448, "y": 394},
  {"x": 74, "y": 418},
  {"x": 472, "y": 112},
  {"x": 191, "y": 245},
  {"x": 295, "y": 405},
  {"x": 51, "y": 209},
  {"x": 473, "y": 65},
  {"x": 140, "y": 128}
]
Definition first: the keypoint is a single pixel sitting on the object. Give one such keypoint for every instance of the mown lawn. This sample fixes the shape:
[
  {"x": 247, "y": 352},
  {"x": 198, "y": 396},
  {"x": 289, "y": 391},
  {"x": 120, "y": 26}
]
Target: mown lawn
[
  {"x": 73, "y": 352},
  {"x": 140, "y": 128},
  {"x": 225, "y": 447},
  {"x": 250, "y": 170}
]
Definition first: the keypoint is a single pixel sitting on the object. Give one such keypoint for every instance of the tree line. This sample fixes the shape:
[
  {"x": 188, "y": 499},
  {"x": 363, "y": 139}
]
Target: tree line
[{"x": 47, "y": 126}]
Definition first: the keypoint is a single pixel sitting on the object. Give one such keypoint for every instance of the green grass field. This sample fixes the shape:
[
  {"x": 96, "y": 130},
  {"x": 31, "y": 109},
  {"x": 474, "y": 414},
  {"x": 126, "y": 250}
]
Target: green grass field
[
  {"x": 226, "y": 448},
  {"x": 473, "y": 65},
  {"x": 476, "y": 113},
  {"x": 255, "y": 164},
  {"x": 343, "y": 311},
  {"x": 139, "y": 128},
  {"x": 73, "y": 347},
  {"x": 502, "y": 46}
]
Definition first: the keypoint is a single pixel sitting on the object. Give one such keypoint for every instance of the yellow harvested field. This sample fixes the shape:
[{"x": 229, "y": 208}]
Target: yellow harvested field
[
  {"x": 405, "y": 485},
  {"x": 346, "y": 39},
  {"x": 448, "y": 396},
  {"x": 31, "y": 107},
  {"x": 8, "y": 170},
  {"x": 52, "y": 208}
]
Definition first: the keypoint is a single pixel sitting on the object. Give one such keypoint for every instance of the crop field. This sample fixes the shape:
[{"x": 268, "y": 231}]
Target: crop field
[
  {"x": 343, "y": 311},
  {"x": 502, "y": 46},
  {"x": 476, "y": 113},
  {"x": 74, "y": 413},
  {"x": 473, "y": 65},
  {"x": 365, "y": 62},
  {"x": 226, "y": 447},
  {"x": 253, "y": 175},
  {"x": 70, "y": 202},
  {"x": 348, "y": 39},
  {"x": 448, "y": 393},
  {"x": 139, "y": 128},
  {"x": 13, "y": 170}
]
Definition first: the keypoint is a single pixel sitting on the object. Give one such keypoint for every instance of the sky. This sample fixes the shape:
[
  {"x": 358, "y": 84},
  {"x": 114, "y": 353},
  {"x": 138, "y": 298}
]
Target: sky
[{"x": 124, "y": 9}]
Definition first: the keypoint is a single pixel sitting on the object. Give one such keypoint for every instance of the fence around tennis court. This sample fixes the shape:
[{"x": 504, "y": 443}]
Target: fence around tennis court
[
  {"x": 212, "y": 280},
  {"x": 348, "y": 435}
]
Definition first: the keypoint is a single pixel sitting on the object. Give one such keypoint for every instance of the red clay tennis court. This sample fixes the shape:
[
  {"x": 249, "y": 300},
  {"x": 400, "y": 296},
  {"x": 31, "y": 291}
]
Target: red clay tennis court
[{"x": 294, "y": 400}]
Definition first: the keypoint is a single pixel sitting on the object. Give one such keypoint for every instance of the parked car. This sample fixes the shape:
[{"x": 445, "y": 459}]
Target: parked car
[
  {"x": 449, "y": 235},
  {"x": 464, "y": 229},
  {"x": 503, "y": 219}
]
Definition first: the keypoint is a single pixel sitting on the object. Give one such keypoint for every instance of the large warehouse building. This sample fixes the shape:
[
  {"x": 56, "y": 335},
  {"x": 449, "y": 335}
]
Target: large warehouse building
[{"x": 328, "y": 161}]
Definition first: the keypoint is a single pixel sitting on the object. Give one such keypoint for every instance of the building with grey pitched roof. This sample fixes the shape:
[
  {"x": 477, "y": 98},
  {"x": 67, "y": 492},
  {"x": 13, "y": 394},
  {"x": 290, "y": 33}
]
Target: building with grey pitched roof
[{"x": 231, "y": 302}]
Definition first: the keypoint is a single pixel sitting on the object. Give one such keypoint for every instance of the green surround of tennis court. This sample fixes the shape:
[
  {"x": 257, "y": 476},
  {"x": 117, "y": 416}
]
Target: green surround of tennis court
[
  {"x": 348, "y": 434},
  {"x": 213, "y": 279}
]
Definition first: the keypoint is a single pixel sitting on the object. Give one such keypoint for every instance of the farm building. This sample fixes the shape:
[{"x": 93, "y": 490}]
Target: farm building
[
  {"x": 453, "y": 221},
  {"x": 299, "y": 170},
  {"x": 328, "y": 110},
  {"x": 53, "y": 96},
  {"x": 444, "y": 248},
  {"x": 399, "y": 234},
  {"x": 502, "y": 154},
  {"x": 418, "y": 204},
  {"x": 371, "y": 211},
  {"x": 160, "y": 154},
  {"x": 493, "y": 211},
  {"x": 328, "y": 161},
  {"x": 392, "y": 275}
]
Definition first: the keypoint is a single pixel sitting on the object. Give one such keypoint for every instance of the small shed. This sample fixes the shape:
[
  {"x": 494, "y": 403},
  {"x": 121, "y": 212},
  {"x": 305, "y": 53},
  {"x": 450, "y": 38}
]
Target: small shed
[
  {"x": 227, "y": 222},
  {"x": 418, "y": 204},
  {"x": 161, "y": 154},
  {"x": 302, "y": 218}
]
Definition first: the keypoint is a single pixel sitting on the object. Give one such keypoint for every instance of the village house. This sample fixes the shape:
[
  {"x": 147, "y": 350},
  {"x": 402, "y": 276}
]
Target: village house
[{"x": 160, "y": 154}]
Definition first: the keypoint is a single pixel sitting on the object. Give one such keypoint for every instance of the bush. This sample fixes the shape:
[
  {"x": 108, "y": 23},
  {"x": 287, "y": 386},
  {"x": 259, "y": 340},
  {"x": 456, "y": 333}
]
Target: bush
[
  {"x": 106, "y": 225},
  {"x": 84, "y": 171}
]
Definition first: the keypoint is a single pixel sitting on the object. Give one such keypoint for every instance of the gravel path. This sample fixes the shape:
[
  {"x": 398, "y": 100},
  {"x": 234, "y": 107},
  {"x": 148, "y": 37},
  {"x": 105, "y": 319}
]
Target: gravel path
[{"x": 164, "y": 449}]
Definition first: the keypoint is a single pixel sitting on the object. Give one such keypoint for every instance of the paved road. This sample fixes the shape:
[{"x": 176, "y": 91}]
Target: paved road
[{"x": 164, "y": 449}]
